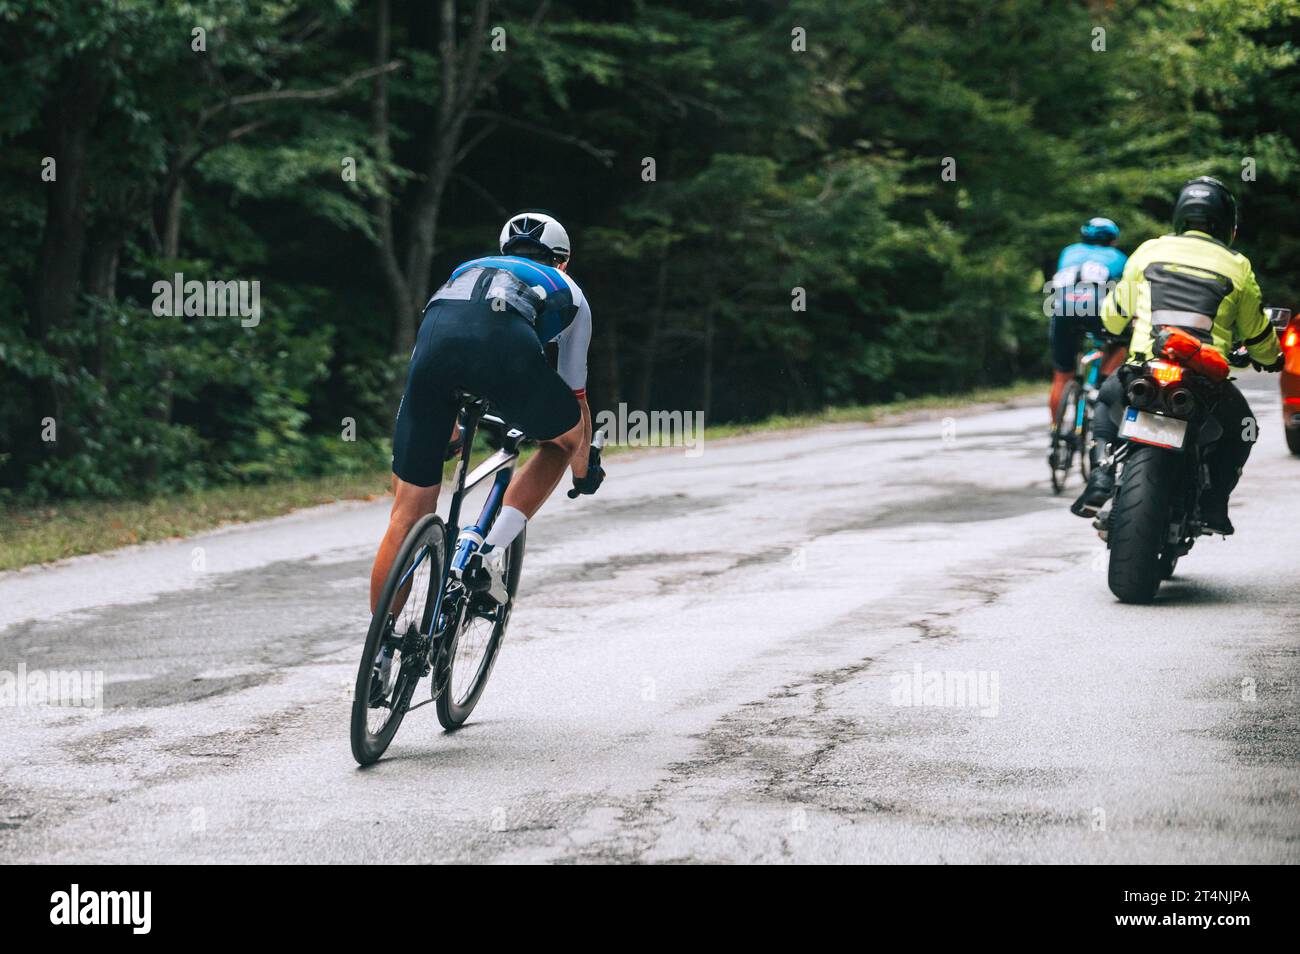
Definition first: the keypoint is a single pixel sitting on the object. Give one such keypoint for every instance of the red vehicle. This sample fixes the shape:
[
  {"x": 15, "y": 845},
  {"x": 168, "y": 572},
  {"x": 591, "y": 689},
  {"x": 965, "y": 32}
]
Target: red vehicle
[{"x": 1288, "y": 330}]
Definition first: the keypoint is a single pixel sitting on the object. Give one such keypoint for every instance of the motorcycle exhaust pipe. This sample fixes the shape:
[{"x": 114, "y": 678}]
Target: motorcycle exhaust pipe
[
  {"x": 1180, "y": 402},
  {"x": 1143, "y": 393}
]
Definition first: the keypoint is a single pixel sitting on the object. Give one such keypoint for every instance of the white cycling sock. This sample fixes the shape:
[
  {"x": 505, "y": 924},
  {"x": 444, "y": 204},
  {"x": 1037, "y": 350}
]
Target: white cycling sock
[{"x": 505, "y": 528}]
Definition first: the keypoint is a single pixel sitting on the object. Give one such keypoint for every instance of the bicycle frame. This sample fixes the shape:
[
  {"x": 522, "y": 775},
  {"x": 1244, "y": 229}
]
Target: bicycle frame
[
  {"x": 500, "y": 466},
  {"x": 1089, "y": 374}
]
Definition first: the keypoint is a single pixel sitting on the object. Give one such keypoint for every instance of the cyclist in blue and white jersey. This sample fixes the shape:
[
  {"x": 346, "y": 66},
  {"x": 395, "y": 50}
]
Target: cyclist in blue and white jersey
[
  {"x": 1084, "y": 272},
  {"x": 484, "y": 333}
]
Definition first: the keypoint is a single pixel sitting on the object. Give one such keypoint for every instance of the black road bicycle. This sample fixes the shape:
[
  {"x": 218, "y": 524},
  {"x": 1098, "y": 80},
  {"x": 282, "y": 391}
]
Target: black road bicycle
[{"x": 428, "y": 623}]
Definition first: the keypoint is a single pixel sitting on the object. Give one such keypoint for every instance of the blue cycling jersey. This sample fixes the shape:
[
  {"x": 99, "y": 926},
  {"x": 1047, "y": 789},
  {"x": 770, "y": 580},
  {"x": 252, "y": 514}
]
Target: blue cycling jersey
[
  {"x": 1082, "y": 272},
  {"x": 558, "y": 307},
  {"x": 549, "y": 299},
  {"x": 1079, "y": 253}
]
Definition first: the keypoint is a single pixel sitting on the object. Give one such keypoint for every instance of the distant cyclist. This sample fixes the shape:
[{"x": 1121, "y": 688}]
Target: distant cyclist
[
  {"x": 1079, "y": 285},
  {"x": 483, "y": 333}
]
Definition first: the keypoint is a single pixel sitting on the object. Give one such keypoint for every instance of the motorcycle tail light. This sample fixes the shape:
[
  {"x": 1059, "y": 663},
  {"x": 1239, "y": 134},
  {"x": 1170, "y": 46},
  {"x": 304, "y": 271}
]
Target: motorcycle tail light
[
  {"x": 1289, "y": 341},
  {"x": 1165, "y": 372},
  {"x": 1210, "y": 363}
]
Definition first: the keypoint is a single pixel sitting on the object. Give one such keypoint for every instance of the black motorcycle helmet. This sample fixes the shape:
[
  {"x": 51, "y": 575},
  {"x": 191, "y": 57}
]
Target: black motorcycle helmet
[{"x": 1206, "y": 205}]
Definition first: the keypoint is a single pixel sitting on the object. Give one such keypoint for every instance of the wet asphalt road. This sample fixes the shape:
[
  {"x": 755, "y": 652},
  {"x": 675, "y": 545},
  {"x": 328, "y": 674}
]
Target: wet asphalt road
[{"x": 710, "y": 661}]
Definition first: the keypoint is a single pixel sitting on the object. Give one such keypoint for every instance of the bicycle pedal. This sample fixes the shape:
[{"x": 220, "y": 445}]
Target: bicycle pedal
[{"x": 482, "y": 582}]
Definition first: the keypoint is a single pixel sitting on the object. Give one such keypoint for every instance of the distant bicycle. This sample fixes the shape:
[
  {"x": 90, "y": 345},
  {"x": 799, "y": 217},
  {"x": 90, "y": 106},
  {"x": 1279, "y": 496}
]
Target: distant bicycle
[
  {"x": 429, "y": 623},
  {"x": 1074, "y": 416}
]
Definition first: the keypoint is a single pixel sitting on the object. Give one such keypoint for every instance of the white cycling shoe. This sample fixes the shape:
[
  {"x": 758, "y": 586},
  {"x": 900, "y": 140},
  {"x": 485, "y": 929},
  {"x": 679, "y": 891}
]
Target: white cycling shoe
[{"x": 485, "y": 574}]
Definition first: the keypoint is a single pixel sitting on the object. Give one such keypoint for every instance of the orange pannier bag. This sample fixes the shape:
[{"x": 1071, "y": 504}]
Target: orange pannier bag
[
  {"x": 1178, "y": 345},
  {"x": 1210, "y": 363}
]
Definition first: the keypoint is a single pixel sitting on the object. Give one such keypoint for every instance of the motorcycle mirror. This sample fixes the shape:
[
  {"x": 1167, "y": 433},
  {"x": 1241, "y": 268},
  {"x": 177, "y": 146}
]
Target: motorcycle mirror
[{"x": 1279, "y": 318}]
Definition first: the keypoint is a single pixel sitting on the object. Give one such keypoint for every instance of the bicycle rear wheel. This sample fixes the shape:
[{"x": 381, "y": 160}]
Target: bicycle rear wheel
[
  {"x": 1061, "y": 456},
  {"x": 466, "y": 661},
  {"x": 392, "y": 661}
]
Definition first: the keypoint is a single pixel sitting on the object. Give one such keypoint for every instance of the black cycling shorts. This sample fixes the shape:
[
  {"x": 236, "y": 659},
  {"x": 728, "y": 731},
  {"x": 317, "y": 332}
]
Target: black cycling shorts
[
  {"x": 495, "y": 355},
  {"x": 1065, "y": 334}
]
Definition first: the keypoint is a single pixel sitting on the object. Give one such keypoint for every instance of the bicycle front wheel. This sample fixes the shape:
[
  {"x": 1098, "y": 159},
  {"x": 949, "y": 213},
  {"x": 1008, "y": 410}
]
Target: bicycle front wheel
[{"x": 466, "y": 660}]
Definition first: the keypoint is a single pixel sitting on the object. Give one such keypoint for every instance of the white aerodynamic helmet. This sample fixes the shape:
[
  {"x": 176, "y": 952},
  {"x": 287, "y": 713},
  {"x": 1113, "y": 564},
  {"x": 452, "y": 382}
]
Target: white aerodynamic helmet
[{"x": 535, "y": 230}]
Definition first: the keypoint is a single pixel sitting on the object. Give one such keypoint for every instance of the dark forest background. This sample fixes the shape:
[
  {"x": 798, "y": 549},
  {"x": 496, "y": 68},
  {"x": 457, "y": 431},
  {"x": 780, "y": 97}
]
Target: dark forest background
[{"x": 794, "y": 145}]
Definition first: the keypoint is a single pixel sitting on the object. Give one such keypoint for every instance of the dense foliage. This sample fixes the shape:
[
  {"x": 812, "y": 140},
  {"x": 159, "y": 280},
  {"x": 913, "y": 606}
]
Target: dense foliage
[{"x": 720, "y": 166}]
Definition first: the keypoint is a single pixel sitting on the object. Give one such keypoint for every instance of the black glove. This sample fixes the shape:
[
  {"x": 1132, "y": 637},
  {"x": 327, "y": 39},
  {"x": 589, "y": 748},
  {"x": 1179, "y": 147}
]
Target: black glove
[
  {"x": 589, "y": 484},
  {"x": 1273, "y": 368},
  {"x": 1240, "y": 358},
  {"x": 595, "y": 476}
]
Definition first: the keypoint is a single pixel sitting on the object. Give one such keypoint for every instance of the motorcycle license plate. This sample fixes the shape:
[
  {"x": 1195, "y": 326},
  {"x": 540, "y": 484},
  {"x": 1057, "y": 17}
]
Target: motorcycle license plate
[{"x": 1156, "y": 429}]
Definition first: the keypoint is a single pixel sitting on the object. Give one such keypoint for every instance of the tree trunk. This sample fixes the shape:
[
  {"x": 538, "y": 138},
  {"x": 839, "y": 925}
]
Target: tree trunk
[
  {"x": 457, "y": 82},
  {"x": 461, "y": 83},
  {"x": 172, "y": 223},
  {"x": 103, "y": 253},
  {"x": 56, "y": 281},
  {"x": 419, "y": 255},
  {"x": 399, "y": 297},
  {"x": 63, "y": 241}
]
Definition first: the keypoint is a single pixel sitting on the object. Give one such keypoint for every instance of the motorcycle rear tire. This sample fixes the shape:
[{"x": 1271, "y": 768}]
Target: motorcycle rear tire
[{"x": 1139, "y": 524}]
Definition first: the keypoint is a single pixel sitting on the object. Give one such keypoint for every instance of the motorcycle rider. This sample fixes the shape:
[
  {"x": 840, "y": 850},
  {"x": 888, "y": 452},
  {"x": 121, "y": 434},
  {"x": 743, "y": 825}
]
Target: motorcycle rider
[
  {"x": 1083, "y": 271},
  {"x": 1190, "y": 280}
]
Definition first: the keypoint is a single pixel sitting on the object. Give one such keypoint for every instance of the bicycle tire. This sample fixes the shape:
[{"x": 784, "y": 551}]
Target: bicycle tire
[
  {"x": 454, "y": 707},
  {"x": 1061, "y": 454},
  {"x": 426, "y": 541}
]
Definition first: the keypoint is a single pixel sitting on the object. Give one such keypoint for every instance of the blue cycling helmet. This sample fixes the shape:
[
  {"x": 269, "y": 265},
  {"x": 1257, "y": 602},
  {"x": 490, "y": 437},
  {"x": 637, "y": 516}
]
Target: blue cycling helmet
[{"x": 1099, "y": 231}]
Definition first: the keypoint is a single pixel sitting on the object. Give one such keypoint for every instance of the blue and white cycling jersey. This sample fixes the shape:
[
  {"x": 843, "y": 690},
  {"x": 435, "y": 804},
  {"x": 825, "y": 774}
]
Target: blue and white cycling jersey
[
  {"x": 549, "y": 299},
  {"x": 1082, "y": 273}
]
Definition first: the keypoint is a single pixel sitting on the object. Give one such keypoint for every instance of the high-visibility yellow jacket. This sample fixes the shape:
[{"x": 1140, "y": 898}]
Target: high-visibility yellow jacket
[{"x": 1196, "y": 283}]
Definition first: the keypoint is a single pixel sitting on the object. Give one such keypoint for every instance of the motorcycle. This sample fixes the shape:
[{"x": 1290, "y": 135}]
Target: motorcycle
[{"x": 1167, "y": 434}]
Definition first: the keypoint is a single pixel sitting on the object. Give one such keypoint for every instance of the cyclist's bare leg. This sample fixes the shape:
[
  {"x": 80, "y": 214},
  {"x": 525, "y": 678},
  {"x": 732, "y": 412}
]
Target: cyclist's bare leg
[
  {"x": 539, "y": 477},
  {"x": 410, "y": 503},
  {"x": 1059, "y": 380}
]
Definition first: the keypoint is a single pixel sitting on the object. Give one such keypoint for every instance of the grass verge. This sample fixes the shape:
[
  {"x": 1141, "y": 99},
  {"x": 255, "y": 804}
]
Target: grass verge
[
  {"x": 869, "y": 413},
  {"x": 39, "y": 534}
]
